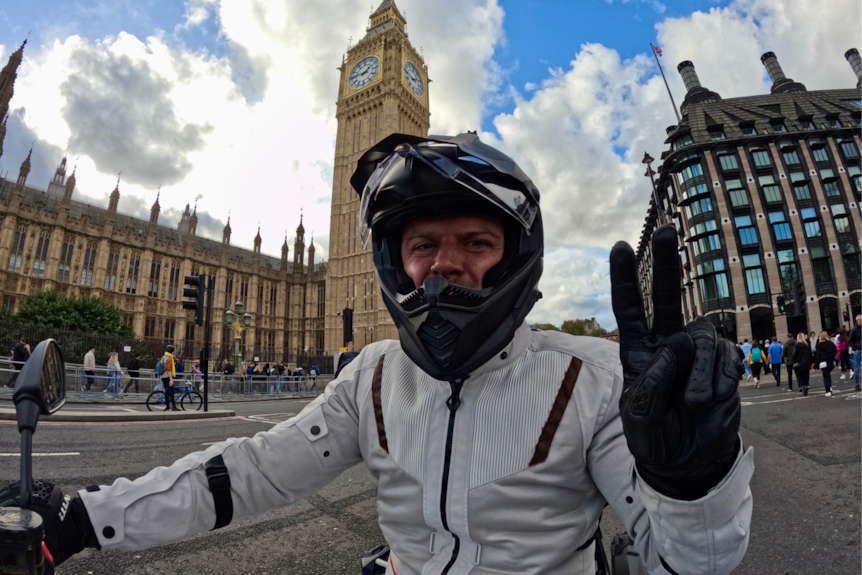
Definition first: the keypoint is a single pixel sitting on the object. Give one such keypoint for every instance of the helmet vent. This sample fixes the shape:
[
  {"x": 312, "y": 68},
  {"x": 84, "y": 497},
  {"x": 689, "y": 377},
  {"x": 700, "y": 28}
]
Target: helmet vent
[
  {"x": 439, "y": 337},
  {"x": 455, "y": 291},
  {"x": 414, "y": 300}
]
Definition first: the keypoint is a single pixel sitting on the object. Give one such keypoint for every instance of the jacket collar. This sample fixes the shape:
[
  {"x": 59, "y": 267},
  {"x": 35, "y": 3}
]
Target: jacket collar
[{"x": 516, "y": 347}]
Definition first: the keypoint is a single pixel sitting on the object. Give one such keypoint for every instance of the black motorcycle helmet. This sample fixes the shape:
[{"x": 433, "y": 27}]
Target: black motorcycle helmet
[{"x": 449, "y": 330}]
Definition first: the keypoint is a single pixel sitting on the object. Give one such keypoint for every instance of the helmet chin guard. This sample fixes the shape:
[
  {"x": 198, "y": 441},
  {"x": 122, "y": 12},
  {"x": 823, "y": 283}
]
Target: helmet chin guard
[{"x": 448, "y": 330}]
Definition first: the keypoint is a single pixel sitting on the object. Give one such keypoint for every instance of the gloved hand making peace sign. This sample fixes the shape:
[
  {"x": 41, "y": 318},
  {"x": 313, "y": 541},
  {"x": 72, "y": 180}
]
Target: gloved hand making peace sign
[{"x": 679, "y": 407}]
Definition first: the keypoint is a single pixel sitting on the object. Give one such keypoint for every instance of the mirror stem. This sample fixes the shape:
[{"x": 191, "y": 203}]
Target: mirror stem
[{"x": 26, "y": 468}]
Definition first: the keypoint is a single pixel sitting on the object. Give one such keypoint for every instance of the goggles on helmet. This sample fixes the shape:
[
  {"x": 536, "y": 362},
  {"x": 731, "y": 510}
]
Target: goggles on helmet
[{"x": 516, "y": 202}]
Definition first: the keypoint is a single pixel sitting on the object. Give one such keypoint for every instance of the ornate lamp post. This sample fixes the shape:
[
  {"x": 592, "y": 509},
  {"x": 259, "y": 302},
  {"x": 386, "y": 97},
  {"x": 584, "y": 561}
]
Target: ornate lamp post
[{"x": 238, "y": 322}]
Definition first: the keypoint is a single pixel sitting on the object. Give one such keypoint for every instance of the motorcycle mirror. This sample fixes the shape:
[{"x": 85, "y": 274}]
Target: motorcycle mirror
[{"x": 42, "y": 381}]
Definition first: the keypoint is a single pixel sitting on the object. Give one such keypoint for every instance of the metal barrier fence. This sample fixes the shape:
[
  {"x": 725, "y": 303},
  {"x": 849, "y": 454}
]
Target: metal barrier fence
[
  {"x": 102, "y": 382},
  {"x": 76, "y": 344}
]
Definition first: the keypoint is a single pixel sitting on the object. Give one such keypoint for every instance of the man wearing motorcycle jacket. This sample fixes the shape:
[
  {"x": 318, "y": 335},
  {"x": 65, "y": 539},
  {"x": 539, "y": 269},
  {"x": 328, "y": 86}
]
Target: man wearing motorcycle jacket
[{"x": 495, "y": 448}]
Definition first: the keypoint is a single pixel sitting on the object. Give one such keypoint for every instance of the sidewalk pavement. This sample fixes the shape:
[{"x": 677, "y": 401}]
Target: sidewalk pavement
[
  {"x": 69, "y": 415},
  {"x": 76, "y": 397}
]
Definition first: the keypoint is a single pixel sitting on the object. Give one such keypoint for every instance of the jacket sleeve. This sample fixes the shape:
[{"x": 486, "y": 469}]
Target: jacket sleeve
[
  {"x": 272, "y": 469},
  {"x": 705, "y": 536}
]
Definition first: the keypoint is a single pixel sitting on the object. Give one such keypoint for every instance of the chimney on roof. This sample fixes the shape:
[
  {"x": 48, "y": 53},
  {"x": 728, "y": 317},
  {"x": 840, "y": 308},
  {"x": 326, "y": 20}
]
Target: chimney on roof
[
  {"x": 780, "y": 83},
  {"x": 689, "y": 76},
  {"x": 855, "y": 60},
  {"x": 773, "y": 67},
  {"x": 695, "y": 92}
]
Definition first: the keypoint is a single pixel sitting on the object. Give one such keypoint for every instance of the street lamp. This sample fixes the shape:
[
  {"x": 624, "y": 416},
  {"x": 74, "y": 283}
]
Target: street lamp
[
  {"x": 231, "y": 318},
  {"x": 648, "y": 160}
]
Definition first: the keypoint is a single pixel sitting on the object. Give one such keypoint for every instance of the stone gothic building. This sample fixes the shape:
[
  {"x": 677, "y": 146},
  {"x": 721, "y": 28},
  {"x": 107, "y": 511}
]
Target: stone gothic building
[{"x": 51, "y": 241}]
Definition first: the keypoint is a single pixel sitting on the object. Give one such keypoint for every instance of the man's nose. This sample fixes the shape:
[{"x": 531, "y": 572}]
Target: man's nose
[{"x": 447, "y": 264}]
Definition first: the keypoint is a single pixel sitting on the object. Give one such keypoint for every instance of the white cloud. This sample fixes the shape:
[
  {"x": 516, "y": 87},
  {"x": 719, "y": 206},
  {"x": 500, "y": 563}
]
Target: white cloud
[{"x": 197, "y": 12}]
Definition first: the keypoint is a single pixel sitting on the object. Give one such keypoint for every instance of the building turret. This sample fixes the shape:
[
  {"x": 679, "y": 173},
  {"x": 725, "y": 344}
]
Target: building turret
[
  {"x": 70, "y": 186},
  {"x": 855, "y": 60},
  {"x": 183, "y": 226},
  {"x": 225, "y": 235},
  {"x": 156, "y": 209},
  {"x": 311, "y": 254},
  {"x": 3, "y": 133},
  {"x": 7, "y": 78},
  {"x": 193, "y": 221},
  {"x": 695, "y": 92},
  {"x": 299, "y": 247},
  {"x": 284, "y": 253},
  {"x": 56, "y": 185},
  {"x": 114, "y": 200},
  {"x": 257, "y": 240},
  {"x": 781, "y": 84},
  {"x": 25, "y": 169}
]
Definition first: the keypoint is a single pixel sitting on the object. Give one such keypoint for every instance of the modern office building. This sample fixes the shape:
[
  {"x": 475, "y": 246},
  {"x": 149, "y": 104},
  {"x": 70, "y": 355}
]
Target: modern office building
[{"x": 764, "y": 192}]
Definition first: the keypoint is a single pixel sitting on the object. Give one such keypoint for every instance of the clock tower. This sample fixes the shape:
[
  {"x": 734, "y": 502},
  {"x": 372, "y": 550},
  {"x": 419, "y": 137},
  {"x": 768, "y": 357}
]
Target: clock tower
[{"x": 383, "y": 90}]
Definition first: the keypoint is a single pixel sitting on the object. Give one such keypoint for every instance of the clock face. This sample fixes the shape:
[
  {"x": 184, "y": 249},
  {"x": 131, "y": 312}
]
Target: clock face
[
  {"x": 364, "y": 72},
  {"x": 414, "y": 80}
]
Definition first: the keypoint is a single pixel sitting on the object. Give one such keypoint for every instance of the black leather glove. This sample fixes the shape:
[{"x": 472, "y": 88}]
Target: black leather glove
[
  {"x": 679, "y": 407},
  {"x": 67, "y": 526}
]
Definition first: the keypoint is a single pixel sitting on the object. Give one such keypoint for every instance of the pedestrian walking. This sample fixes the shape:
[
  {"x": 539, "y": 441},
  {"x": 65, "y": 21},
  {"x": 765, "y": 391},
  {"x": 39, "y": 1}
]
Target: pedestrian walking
[
  {"x": 115, "y": 373},
  {"x": 824, "y": 357},
  {"x": 314, "y": 372},
  {"x": 166, "y": 371},
  {"x": 842, "y": 344},
  {"x": 802, "y": 363},
  {"x": 789, "y": 353},
  {"x": 812, "y": 343},
  {"x": 299, "y": 378},
  {"x": 746, "y": 349},
  {"x": 197, "y": 374},
  {"x": 134, "y": 368},
  {"x": 20, "y": 354},
  {"x": 226, "y": 371},
  {"x": 756, "y": 360},
  {"x": 89, "y": 368},
  {"x": 855, "y": 338},
  {"x": 775, "y": 354},
  {"x": 180, "y": 369}
]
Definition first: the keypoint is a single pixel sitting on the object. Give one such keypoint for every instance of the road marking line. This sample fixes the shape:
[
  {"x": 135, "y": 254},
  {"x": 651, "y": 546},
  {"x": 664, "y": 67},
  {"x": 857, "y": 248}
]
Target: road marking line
[
  {"x": 40, "y": 454},
  {"x": 213, "y": 442},
  {"x": 97, "y": 423}
]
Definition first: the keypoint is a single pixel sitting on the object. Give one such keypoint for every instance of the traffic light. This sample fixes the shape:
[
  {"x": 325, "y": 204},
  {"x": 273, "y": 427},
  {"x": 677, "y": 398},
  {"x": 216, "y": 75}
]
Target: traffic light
[
  {"x": 846, "y": 317},
  {"x": 782, "y": 306},
  {"x": 799, "y": 297},
  {"x": 347, "y": 318},
  {"x": 196, "y": 292}
]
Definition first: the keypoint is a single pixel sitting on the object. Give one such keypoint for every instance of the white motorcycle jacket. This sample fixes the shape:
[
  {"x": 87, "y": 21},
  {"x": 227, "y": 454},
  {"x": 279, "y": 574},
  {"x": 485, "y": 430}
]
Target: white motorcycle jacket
[{"x": 513, "y": 481}]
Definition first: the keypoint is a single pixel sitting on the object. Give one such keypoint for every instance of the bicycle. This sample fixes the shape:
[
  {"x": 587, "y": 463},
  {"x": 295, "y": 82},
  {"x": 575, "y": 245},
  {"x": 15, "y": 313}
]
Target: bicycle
[{"x": 189, "y": 399}]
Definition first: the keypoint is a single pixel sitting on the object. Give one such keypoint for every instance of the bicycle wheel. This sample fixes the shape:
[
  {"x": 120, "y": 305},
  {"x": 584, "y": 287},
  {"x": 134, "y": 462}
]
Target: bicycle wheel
[
  {"x": 155, "y": 399},
  {"x": 191, "y": 401}
]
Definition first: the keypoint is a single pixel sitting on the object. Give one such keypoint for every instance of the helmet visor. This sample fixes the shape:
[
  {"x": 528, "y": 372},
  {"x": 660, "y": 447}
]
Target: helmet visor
[{"x": 516, "y": 202}]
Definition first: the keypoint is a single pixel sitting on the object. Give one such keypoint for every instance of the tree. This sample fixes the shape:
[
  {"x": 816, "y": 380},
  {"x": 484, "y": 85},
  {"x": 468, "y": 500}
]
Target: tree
[
  {"x": 546, "y": 327},
  {"x": 599, "y": 332},
  {"x": 574, "y": 327},
  {"x": 86, "y": 314}
]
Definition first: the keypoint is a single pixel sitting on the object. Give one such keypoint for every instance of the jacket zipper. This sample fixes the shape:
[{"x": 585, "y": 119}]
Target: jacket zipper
[{"x": 453, "y": 403}]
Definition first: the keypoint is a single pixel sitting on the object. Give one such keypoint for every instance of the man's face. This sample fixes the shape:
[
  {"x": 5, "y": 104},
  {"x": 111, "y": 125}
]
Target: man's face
[
  {"x": 859, "y": 319},
  {"x": 458, "y": 248}
]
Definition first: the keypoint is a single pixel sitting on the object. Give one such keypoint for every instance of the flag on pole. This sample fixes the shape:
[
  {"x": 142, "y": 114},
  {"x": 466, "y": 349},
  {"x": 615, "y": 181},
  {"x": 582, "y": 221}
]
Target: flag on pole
[{"x": 656, "y": 49}]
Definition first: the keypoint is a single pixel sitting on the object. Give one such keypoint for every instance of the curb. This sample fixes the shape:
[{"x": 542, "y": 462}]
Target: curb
[{"x": 89, "y": 417}]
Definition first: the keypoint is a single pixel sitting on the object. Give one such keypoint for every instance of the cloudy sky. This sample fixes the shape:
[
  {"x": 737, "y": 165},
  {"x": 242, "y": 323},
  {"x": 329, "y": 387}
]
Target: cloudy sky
[{"x": 232, "y": 102}]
